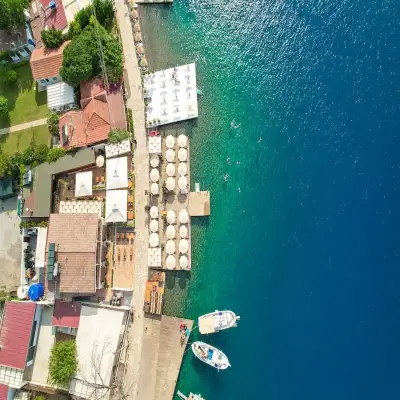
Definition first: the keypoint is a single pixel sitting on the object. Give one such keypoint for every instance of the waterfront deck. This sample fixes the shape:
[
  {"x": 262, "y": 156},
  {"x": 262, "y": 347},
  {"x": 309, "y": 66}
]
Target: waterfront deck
[
  {"x": 199, "y": 204},
  {"x": 162, "y": 354}
]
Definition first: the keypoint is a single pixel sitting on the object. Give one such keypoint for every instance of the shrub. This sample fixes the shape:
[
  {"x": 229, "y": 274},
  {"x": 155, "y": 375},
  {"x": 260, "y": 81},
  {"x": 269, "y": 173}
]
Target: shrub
[
  {"x": 3, "y": 106},
  {"x": 5, "y": 166},
  {"x": 52, "y": 123},
  {"x": 5, "y": 55},
  {"x": 130, "y": 122},
  {"x": 74, "y": 29},
  {"x": 63, "y": 363},
  {"x": 117, "y": 135},
  {"x": 104, "y": 12},
  {"x": 9, "y": 76},
  {"x": 52, "y": 38},
  {"x": 39, "y": 397},
  {"x": 41, "y": 152},
  {"x": 54, "y": 154},
  {"x": 33, "y": 224}
]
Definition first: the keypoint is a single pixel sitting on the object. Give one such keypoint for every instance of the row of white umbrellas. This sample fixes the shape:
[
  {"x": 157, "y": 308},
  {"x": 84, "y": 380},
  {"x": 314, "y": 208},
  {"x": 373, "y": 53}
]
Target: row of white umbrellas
[
  {"x": 170, "y": 141},
  {"x": 171, "y": 231},
  {"x": 170, "y": 247},
  {"x": 170, "y": 155},
  {"x": 182, "y": 183},
  {"x": 171, "y": 261},
  {"x": 183, "y": 216}
]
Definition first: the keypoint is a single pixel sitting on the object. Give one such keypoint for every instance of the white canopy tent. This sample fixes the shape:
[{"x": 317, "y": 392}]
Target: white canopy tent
[
  {"x": 118, "y": 149},
  {"x": 154, "y": 189},
  {"x": 170, "y": 232},
  {"x": 183, "y": 246},
  {"x": 154, "y": 161},
  {"x": 183, "y": 261},
  {"x": 154, "y": 225},
  {"x": 182, "y": 169},
  {"x": 183, "y": 216},
  {"x": 117, "y": 173},
  {"x": 153, "y": 212},
  {"x": 155, "y": 145},
  {"x": 182, "y": 183},
  {"x": 154, "y": 256},
  {"x": 116, "y": 205},
  {"x": 170, "y": 141},
  {"x": 154, "y": 175},
  {"x": 183, "y": 231},
  {"x": 83, "y": 184},
  {"x": 182, "y": 154},
  {"x": 171, "y": 217},
  {"x": 170, "y": 169},
  {"x": 170, "y": 183},
  {"x": 170, "y": 155},
  {"x": 170, "y": 247},
  {"x": 154, "y": 240},
  {"x": 182, "y": 140},
  {"x": 170, "y": 262},
  {"x": 60, "y": 95}
]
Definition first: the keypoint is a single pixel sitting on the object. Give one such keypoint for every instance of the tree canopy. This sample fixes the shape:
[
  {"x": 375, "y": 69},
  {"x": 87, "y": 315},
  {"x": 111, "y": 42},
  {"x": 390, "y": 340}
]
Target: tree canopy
[
  {"x": 52, "y": 38},
  {"x": 63, "y": 363},
  {"x": 12, "y": 13},
  {"x": 81, "y": 58}
]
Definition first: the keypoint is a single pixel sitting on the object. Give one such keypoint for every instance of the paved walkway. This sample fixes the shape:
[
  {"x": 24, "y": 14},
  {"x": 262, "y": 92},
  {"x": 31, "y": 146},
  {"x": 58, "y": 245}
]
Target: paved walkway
[
  {"x": 21, "y": 127},
  {"x": 141, "y": 161}
]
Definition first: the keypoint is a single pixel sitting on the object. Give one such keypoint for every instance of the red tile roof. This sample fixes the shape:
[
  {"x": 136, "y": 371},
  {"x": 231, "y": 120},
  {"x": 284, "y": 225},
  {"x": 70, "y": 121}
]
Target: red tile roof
[
  {"x": 54, "y": 18},
  {"x": 3, "y": 392},
  {"x": 102, "y": 112},
  {"x": 75, "y": 236},
  {"x": 46, "y": 63},
  {"x": 66, "y": 314},
  {"x": 16, "y": 333}
]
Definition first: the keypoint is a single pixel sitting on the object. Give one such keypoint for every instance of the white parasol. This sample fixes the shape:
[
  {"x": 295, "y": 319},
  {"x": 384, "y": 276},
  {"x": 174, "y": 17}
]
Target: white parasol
[
  {"x": 183, "y": 216},
  {"x": 183, "y": 246},
  {"x": 170, "y": 141},
  {"x": 154, "y": 225},
  {"x": 154, "y": 188},
  {"x": 153, "y": 240},
  {"x": 182, "y": 169},
  {"x": 183, "y": 231},
  {"x": 171, "y": 216},
  {"x": 153, "y": 212},
  {"x": 171, "y": 262},
  {"x": 170, "y": 231},
  {"x": 182, "y": 182},
  {"x": 170, "y": 155},
  {"x": 182, "y": 154},
  {"x": 170, "y": 169},
  {"x": 183, "y": 261},
  {"x": 170, "y": 247},
  {"x": 182, "y": 140},
  {"x": 170, "y": 183},
  {"x": 100, "y": 161},
  {"x": 154, "y": 175},
  {"x": 155, "y": 161}
]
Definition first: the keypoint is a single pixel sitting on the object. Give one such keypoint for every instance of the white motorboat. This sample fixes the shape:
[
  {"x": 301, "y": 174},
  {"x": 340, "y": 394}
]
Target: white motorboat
[
  {"x": 217, "y": 321},
  {"x": 191, "y": 396},
  {"x": 210, "y": 355}
]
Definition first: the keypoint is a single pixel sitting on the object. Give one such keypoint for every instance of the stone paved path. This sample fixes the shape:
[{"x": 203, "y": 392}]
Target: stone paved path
[
  {"x": 21, "y": 127},
  {"x": 141, "y": 161}
]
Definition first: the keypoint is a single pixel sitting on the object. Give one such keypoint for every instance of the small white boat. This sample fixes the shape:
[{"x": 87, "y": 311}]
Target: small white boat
[
  {"x": 191, "y": 396},
  {"x": 217, "y": 321},
  {"x": 210, "y": 355}
]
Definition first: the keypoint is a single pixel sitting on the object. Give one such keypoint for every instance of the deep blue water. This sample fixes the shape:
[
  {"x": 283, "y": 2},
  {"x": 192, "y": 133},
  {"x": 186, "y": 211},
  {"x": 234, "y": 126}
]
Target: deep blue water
[{"x": 307, "y": 252}]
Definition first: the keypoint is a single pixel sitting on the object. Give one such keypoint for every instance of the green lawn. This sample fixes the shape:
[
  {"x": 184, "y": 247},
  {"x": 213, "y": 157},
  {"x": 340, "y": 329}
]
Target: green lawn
[
  {"x": 19, "y": 141},
  {"x": 24, "y": 102}
]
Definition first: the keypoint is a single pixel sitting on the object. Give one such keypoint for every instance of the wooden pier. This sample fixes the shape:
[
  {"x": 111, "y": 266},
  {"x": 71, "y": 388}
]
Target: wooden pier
[
  {"x": 199, "y": 204},
  {"x": 162, "y": 354}
]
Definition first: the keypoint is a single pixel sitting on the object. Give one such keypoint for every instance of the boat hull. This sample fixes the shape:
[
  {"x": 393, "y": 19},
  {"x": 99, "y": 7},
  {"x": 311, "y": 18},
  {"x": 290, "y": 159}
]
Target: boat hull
[
  {"x": 217, "y": 321},
  {"x": 210, "y": 355}
]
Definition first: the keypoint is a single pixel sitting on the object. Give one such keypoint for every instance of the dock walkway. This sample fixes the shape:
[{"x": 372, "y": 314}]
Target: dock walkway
[{"x": 162, "y": 355}]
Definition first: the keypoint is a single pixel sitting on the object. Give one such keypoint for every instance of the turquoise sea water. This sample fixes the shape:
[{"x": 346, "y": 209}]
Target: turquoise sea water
[{"x": 307, "y": 251}]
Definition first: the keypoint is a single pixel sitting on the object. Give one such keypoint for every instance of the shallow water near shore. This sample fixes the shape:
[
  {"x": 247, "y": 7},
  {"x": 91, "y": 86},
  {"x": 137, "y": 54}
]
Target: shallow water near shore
[{"x": 302, "y": 240}]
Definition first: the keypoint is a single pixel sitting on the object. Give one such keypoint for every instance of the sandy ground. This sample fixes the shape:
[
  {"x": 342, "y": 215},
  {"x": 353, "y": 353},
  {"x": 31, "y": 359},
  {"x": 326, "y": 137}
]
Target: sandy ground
[{"x": 10, "y": 245}]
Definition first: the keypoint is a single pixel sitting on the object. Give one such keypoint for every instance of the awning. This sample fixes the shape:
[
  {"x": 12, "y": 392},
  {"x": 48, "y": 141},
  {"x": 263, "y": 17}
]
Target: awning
[
  {"x": 117, "y": 173},
  {"x": 59, "y": 95},
  {"x": 116, "y": 205},
  {"x": 83, "y": 184}
]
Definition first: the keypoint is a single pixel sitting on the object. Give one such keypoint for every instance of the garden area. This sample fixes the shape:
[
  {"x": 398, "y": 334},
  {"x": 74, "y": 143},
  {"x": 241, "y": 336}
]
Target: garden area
[
  {"x": 21, "y": 140},
  {"x": 25, "y": 104}
]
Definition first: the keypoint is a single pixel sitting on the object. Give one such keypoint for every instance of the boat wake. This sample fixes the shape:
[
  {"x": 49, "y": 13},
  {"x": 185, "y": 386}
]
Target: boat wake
[{"x": 234, "y": 124}]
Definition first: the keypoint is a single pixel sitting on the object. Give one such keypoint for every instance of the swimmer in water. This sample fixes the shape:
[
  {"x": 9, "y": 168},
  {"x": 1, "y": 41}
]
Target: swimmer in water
[
  {"x": 235, "y": 125},
  {"x": 228, "y": 160},
  {"x": 237, "y": 162},
  {"x": 226, "y": 177},
  {"x": 238, "y": 189},
  {"x": 260, "y": 140}
]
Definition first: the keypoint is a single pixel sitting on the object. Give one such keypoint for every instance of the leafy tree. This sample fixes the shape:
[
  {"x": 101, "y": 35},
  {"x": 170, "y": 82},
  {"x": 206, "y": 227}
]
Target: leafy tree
[
  {"x": 63, "y": 363},
  {"x": 41, "y": 153},
  {"x": 54, "y": 154},
  {"x": 5, "y": 166},
  {"x": 3, "y": 105},
  {"x": 12, "y": 13},
  {"x": 8, "y": 76},
  {"x": 104, "y": 12},
  {"x": 52, "y": 38},
  {"x": 113, "y": 59},
  {"x": 74, "y": 29},
  {"x": 52, "y": 123}
]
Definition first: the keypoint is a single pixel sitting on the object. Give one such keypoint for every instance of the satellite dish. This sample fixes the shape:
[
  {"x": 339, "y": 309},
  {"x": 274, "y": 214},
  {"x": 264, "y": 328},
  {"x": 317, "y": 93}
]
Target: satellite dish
[{"x": 22, "y": 292}]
